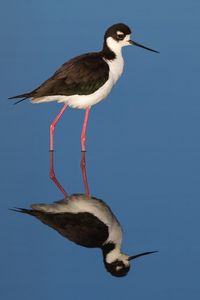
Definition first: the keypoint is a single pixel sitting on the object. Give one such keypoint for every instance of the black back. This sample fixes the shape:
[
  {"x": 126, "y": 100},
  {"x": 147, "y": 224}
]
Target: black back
[{"x": 82, "y": 75}]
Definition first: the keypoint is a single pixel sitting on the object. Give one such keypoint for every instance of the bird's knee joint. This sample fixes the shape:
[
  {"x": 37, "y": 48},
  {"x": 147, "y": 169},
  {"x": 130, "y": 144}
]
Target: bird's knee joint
[
  {"x": 83, "y": 139},
  {"x": 52, "y": 126},
  {"x": 52, "y": 175}
]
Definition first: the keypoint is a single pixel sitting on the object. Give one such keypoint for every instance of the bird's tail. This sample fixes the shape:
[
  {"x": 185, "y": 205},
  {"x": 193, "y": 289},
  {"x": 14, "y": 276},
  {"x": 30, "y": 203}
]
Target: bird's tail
[
  {"x": 24, "y": 96},
  {"x": 23, "y": 210}
]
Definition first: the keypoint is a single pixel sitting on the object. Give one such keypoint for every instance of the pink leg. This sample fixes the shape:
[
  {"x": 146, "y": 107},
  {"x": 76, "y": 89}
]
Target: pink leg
[
  {"x": 53, "y": 176},
  {"x": 52, "y": 127},
  {"x": 83, "y": 133},
  {"x": 84, "y": 174}
]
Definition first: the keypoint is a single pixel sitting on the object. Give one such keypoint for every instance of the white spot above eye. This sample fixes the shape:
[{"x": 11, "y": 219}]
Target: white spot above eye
[
  {"x": 120, "y": 32},
  {"x": 118, "y": 268}
]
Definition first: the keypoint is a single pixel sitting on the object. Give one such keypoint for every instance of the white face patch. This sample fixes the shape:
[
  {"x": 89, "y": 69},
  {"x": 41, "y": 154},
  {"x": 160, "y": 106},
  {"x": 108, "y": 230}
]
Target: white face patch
[
  {"x": 113, "y": 45},
  {"x": 117, "y": 255},
  {"x": 116, "y": 46}
]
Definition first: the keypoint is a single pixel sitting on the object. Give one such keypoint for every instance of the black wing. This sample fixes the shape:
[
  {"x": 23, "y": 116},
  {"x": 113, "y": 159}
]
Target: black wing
[
  {"x": 82, "y": 75},
  {"x": 83, "y": 229}
]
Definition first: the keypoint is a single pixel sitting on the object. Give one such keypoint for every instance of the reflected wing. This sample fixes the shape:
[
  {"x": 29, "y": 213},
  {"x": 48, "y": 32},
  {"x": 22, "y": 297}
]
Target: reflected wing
[{"x": 82, "y": 228}]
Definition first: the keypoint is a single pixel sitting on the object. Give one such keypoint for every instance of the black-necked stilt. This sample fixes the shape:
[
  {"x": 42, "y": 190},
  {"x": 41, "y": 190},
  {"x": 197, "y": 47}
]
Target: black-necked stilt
[
  {"x": 87, "y": 79},
  {"x": 88, "y": 222}
]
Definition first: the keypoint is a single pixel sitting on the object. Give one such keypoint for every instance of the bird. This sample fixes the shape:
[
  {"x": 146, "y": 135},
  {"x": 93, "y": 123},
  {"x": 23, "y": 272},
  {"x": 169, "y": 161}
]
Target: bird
[
  {"x": 88, "y": 222},
  {"x": 85, "y": 80}
]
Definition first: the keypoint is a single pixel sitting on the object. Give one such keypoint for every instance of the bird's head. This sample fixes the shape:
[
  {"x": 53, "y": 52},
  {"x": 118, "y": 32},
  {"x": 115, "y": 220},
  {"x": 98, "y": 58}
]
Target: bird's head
[
  {"x": 118, "y": 264},
  {"x": 119, "y": 267},
  {"x": 118, "y": 36}
]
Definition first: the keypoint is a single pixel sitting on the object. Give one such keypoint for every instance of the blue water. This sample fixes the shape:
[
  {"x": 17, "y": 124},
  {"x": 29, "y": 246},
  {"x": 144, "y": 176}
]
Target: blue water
[{"x": 143, "y": 150}]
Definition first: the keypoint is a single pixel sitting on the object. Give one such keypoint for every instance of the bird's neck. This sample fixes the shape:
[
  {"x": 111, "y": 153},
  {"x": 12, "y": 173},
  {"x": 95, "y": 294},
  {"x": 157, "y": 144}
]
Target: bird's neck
[
  {"x": 107, "y": 53},
  {"x": 108, "y": 247},
  {"x": 111, "y": 49},
  {"x": 110, "y": 251}
]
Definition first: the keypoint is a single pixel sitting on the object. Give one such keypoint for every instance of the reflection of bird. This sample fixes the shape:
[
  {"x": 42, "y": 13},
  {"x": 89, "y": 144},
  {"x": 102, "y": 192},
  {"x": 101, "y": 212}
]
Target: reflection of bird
[
  {"x": 88, "y": 222},
  {"x": 87, "y": 79}
]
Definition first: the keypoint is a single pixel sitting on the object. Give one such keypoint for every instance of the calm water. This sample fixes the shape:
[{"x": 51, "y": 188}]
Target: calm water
[{"x": 143, "y": 150}]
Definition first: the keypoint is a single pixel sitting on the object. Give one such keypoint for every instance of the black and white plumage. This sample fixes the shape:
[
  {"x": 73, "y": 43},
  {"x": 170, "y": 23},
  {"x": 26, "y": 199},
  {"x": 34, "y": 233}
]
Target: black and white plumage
[
  {"x": 87, "y": 79},
  {"x": 88, "y": 222}
]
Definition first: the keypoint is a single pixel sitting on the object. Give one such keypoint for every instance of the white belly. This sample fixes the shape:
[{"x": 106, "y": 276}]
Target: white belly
[{"x": 84, "y": 101}]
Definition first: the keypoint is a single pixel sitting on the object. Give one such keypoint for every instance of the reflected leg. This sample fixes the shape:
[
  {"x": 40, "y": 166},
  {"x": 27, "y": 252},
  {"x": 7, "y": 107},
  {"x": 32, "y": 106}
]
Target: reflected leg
[
  {"x": 84, "y": 174},
  {"x": 52, "y": 127},
  {"x": 83, "y": 133},
  {"x": 53, "y": 176}
]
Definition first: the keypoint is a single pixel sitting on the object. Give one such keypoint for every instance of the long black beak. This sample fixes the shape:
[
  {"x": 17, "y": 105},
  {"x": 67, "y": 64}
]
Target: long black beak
[
  {"x": 141, "y": 254},
  {"x": 141, "y": 46}
]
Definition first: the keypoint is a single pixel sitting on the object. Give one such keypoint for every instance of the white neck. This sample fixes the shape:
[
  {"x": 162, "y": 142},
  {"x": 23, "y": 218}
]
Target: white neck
[
  {"x": 117, "y": 64},
  {"x": 114, "y": 46}
]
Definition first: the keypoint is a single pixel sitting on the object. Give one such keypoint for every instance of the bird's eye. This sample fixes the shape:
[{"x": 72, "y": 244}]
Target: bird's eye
[{"x": 120, "y": 36}]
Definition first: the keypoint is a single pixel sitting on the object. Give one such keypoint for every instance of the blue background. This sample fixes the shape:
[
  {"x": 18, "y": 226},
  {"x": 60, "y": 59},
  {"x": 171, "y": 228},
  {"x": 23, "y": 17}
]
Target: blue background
[{"x": 143, "y": 149}]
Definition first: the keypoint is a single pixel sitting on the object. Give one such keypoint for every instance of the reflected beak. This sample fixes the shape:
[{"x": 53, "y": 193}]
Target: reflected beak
[
  {"x": 141, "y": 46},
  {"x": 141, "y": 254}
]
